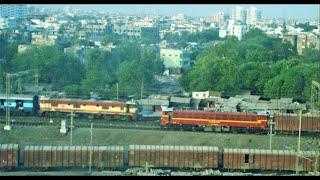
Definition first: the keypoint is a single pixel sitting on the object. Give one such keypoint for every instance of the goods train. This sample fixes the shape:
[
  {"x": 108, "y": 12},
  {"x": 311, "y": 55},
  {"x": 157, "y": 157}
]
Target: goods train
[
  {"x": 122, "y": 157},
  {"x": 171, "y": 119}
]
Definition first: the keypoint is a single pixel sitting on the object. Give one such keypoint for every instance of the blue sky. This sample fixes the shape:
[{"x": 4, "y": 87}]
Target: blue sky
[{"x": 292, "y": 11}]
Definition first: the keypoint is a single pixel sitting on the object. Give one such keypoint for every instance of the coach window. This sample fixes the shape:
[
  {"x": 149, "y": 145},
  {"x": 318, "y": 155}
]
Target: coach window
[
  {"x": 105, "y": 107},
  {"x": 121, "y": 108},
  {"x": 54, "y": 104},
  {"x": 246, "y": 158}
]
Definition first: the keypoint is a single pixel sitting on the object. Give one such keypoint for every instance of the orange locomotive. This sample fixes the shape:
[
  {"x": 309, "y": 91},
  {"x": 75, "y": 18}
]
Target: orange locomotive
[{"x": 214, "y": 121}]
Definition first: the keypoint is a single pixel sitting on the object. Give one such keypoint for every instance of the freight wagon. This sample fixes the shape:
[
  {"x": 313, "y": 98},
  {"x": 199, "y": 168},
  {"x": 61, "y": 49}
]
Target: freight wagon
[
  {"x": 9, "y": 156},
  {"x": 287, "y": 123},
  {"x": 157, "y": 156},
  {"x": 176, "y": 157},
  {"x": 73, "y": 156},
  {"x": 268, "y": 160}
]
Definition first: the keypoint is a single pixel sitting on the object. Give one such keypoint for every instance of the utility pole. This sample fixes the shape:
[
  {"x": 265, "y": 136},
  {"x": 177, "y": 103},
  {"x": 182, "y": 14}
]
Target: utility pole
[
  {"x": 8, "y": 84},
  {"x": 71, "y": 127},
  {"x": 270, "y": 133},
  {"x": 90, "y": 157},
  {"x": 316, "y": 162},
  {"x": 37, "y": 83},
  {"x": 19, "y": 86},
  {"x": 141, "y": 88},
  {"x": 298, "y": 144},
  {"x": 117, "y": 91}
]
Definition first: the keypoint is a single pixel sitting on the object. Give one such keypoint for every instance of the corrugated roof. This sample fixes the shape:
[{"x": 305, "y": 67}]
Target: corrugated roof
[
  {"x": 180, "y": 100},
  {"x": 17, "y": 96},
  {"x": 155, "y": 102}
]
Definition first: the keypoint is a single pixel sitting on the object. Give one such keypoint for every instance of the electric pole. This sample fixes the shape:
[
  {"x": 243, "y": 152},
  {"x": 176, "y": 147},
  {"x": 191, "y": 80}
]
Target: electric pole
[
  {"x": 71, "y": 128},
  {"x": 19, "y": 86},
  {"x": 8, "y": 84},
  {"x": 141, "y": 88},
  {"x": 90, "y": 157},
  {"x": 298, "y": 144},
  {"x": 37, "y": 82},
  {"x": 270, "y": 133},
  {"x": 117, "y": 91}
]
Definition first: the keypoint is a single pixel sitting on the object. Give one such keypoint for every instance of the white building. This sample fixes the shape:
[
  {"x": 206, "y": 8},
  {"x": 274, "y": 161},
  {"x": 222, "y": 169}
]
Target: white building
[
  {"x": 253, "y": 15},
  {"x": 200, "y": 95},
  {"x": 13, "y": 10},
  {"x": 175, "y": 59},
  {"x": 236, "y": 29},
  {"x": 238, "y": 14},
  {"x": 219, "y": 18},
  {"x": 223, "y": 33}
]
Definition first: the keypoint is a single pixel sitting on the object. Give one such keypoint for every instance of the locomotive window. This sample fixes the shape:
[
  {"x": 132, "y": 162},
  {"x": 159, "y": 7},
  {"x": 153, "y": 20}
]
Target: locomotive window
[
  {"x": 76, "y": 106},
  {"x": 246, "y": 158},
  {"x": 54, "y": 104}
]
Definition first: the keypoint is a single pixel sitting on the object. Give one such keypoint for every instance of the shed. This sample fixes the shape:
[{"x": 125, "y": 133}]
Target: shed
[
  {"x": 152, "y": 104},
  {"x": 180, "y": 102}
]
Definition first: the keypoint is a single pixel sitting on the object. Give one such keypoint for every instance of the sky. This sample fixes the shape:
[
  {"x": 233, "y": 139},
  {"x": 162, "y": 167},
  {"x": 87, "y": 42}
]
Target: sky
[{"x": 289, "y": 11}]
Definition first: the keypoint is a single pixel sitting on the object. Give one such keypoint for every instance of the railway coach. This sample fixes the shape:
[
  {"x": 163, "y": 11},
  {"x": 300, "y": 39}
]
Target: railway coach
[{"x": 19, "y": 104}]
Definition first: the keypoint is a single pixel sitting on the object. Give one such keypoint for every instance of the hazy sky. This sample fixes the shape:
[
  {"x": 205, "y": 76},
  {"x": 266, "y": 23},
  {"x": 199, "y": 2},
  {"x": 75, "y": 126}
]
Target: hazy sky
[{"x": 295, "y": 11}]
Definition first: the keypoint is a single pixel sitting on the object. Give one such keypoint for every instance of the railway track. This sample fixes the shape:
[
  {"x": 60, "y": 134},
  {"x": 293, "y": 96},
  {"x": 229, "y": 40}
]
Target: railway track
[
  {"x": 101, "y": 123},
  {"x": 81, "y": 123}
]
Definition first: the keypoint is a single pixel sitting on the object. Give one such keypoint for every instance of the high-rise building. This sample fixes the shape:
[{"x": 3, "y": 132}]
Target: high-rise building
[
  {"x": 13, "y": 10},
  {"x": 236, "y": 29},
  {"x": 219, "y": 18},
  {"x": 253, "y": 15},
  {"x": 238, "y": 14}
]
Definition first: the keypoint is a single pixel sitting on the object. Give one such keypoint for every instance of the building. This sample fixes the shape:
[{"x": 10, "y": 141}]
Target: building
[
  {"x": 175, "y": 60},
  {"x": 307, "y": 40},
  {"x": 223, "y": 33},
  {"x": 135, "y": 31},
  {"x": 200, "y": 95},
  {"x": 236, "y": 28},
  {"x": 8, "y": 23},
  {"x": 219, "y": 18},
  {"x": 180, "y": 102},
  {"x": 22, "y": 48},
  {"x": 13, "y": 10},
  {"x": 38, "y": 38},
  {"x": 291, "y": 38},
  {"x": 253, "y": 16},
  {"x": 238, "y": 14}
]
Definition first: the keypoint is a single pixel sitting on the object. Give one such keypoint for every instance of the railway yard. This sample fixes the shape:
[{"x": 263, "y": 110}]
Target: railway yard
[
  {"x": 28, "y": 131},
  {"x": 49, "y": 136}
]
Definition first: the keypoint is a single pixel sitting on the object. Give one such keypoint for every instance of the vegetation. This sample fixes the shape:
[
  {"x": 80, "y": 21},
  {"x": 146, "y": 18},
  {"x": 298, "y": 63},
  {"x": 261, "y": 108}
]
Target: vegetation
[
  {"x": 201, "y": 37},
  {"x": 264, "y": 65}
]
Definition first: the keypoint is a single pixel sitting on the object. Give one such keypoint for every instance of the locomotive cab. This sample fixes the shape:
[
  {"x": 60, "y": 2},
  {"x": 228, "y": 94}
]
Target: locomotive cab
[{"x": 166, "y": 115}]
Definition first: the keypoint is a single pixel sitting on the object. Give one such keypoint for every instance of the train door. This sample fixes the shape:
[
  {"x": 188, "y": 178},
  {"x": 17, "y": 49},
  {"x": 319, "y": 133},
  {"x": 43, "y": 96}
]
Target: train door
[
  {"x": 128, "y": 108},
  {"x": 2, "y": 103},
  {"x": 19, "y": 104}
]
